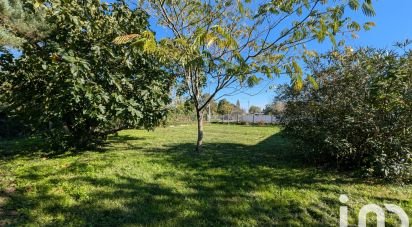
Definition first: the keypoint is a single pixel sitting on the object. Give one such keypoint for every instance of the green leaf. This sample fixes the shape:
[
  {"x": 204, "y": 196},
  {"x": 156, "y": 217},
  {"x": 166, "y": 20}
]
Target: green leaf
[
  {"x": 354, "y": 26},
  {"x": 313, "y": 82},
  {"x": 354, "y": 4},
  {"x": 368, "y": 9},
  {"x": 253, "y": 80},
  {"x": 240, "y": 7},
  {"x": 297, "y": 83},
  {"x": 368, "y": 25},
  {"x": 297, "y": 69}
]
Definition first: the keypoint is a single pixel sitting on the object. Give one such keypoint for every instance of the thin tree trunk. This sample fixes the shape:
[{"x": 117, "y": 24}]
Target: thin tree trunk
[{"x": 199, "y": 116}]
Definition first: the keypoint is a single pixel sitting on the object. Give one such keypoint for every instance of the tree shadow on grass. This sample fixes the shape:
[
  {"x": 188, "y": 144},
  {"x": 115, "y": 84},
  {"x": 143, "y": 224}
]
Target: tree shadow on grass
[
  {"x": 22, "y": 147},
  {"x": 35, "y": 147},
  {"x": 228, "y": 184}
]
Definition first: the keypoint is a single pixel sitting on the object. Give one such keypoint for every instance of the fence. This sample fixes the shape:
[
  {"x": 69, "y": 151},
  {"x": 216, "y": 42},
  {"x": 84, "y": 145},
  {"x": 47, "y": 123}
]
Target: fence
[
  {"x": 246, "y": 118},
  {"x": 228, "y": 118}
]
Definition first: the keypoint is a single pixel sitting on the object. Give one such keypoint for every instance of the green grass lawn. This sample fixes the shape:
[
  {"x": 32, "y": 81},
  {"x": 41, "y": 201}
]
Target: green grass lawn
[{"x": 246, "y": 176}]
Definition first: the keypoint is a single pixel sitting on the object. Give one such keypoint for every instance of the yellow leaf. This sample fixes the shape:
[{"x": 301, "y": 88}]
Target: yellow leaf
[
  {"x": 38, "y": 3},
  {"x": 211, "y": 41},
  {"x": 125, "y": 39}
]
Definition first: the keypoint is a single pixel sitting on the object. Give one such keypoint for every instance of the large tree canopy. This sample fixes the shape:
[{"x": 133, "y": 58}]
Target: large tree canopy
[
  {"x": 233, "y": 42},
  {"x": 20, "y": 21},
  {"x": 76, "y": 86}
]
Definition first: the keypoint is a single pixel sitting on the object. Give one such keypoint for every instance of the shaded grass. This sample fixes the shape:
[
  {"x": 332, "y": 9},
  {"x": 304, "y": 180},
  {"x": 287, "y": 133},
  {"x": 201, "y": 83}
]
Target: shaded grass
[{"x": 246, "y": 176}]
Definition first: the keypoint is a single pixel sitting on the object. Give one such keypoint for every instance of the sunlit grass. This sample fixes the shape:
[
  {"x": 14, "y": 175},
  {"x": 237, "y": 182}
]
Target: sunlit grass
[{"x": 246, "y": 176}]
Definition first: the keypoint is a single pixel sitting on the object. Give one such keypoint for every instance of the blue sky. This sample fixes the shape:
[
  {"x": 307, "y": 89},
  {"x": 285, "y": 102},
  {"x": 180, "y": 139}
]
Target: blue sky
[{"x": 393, "y": 23}]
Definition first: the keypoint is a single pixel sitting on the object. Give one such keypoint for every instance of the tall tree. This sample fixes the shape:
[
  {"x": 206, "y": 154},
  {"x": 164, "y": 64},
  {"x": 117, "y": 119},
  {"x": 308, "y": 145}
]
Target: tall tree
[
  {"x": 21, "y": 21},
  {"x": 228, "y": 43},
  {"x": 238, "y": 104},
  {"x": 237, "y": 108},
  {"x": 75, "y": 86}
]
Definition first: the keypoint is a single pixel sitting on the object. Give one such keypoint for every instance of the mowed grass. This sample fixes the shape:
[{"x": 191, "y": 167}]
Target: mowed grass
[{"x": 246, "y": 176}]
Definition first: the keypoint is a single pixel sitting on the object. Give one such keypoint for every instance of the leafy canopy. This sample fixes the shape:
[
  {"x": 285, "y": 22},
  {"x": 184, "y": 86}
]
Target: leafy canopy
[
  {"x": 75, "y": 86},
  {"x": 235, "y": 41}
]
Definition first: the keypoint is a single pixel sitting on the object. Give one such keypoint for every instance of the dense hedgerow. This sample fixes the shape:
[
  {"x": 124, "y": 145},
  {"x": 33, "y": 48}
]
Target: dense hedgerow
[{"x": 359, "y": 116}]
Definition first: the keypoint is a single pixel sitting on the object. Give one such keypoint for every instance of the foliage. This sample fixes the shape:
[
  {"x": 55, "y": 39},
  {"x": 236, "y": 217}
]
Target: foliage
[
  {"x": 76, "y": 87},
  {"x": 224, "y": 107},
  {"x": 254, "y": 109},
  {"x": 360, "y": 116},
  {"x": 21, "y": 21},
  {"x": 231, "y": 43},
  {"x": 247, "y": 176},
  {"x": 275, "y": 108},
  {"x": 237, "y": 109},
  {"x": 182, "y": 110},
  {"x": 9, "y": 127}
]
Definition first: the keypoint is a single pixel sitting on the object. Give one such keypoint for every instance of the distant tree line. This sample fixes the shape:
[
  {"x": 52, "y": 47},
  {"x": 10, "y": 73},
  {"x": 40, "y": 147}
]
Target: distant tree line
[
  {"x": 182, "y": 110},
  {"x": 225, "y": 107}
]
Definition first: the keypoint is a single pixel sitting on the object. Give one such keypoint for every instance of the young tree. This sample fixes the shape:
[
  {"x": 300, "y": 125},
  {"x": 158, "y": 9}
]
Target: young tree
[
  {"x": 21, "y": 21},
  {"x": 228, "y": 43}
]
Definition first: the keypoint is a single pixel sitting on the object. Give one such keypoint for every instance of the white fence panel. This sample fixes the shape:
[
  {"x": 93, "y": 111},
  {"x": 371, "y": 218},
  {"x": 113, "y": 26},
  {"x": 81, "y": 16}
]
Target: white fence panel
[{"x": 248, "y": 118}]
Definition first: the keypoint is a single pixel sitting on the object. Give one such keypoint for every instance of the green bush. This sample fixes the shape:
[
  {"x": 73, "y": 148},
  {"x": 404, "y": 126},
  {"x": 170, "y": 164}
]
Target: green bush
[{"x": 359, "y": 113}]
